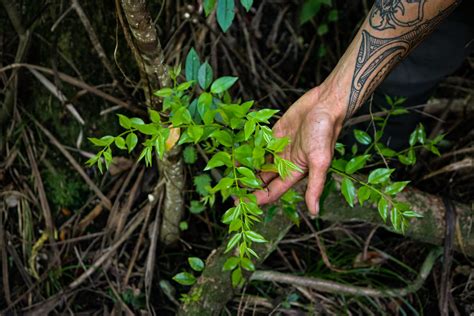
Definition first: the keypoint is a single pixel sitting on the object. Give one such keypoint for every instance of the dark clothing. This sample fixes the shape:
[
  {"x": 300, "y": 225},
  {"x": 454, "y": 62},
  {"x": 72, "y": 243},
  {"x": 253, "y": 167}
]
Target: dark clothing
[{"x": 417, "y": 76}]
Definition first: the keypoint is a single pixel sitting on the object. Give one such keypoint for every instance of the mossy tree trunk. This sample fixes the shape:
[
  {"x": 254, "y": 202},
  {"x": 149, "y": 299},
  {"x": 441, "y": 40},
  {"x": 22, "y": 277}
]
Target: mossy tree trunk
[{"x": 143, "y": 40}]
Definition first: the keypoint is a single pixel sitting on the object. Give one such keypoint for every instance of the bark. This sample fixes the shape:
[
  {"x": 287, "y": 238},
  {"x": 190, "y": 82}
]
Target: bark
[
  {"x": 214, "y": 285},
  {"x": 148, "y": 53}
]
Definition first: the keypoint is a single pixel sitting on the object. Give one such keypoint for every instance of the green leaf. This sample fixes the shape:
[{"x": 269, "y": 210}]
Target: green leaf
[
  {"x": 333, "y": 15},
  {"x": 387, "y": 152},
  {"x": 356, "y": 163},
  {"x": 183, "y": 226},
  {"x": 196, "y": 207},
  {"x": 246, "y": 172},
  {"x": 195, "y": 132},
  {"x": 164, "y": 92},
  {"x": 247, "y": 264},
  {"x": 131, "y": 141},
  {"x": 223, "y": 184},
  {"x": 104, "y": 141},
  {"x": 223, "y": 83},
  {"x": 124, "y": 121},
  {"x": 209, "y": 6},
  {"x": 204, "y": 103},
  {"x": 180, "y": 117},
  {"x": 278, "y": 144},
  {"x": 136, "y": 121},
  {"x": 192, "y": 65},
  {"x": 323, "y": 29},
  {"x": 185, "y": 85},
  {"x": 189, "y": 154},
  {"x": 382, "y": 206},
  {"x": 292, "y": 214},
  {"x": 395, "y": 219},
  {"x": 236, "y": 274},
  {"x": 231, "y": 214},
  {"x": 154, "y": 116},
  {"x": 309, "y": 10},
  {"x": 363, "y": 193},
  {"x": 409, "y": 159},
  {"x": 205, "y": 75},
  {"x": 196, "y": 263},
  {"x": 219, "y": 159},
  {"x": 348, "y": 191},
  {"x": 233, "y": 241},
  {"x": 263, "y": 115},
  {"x": 120, "y": 142},
  {"x": 362, "y": 137},
  {"x": 231, "y": 263},
  {"x": 254, "y": 236},
  {"x": 202, "y": 182},
  {"x": 223, "y": 137},
  {"x": 396, "y": 187},
  {"x": 185, "y": 278},
  {"x": 380, "y": 175},
  {"x": 247, "y": 4},
  {"x": 410, "y": 214},
  {"x": 249, "y": 128},
  {"x": 340, "y": 148},
  {"x": 225, "y": 13}
]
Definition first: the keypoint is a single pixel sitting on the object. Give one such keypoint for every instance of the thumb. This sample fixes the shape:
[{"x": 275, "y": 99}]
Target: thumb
[{"x": 316, "y": 180}]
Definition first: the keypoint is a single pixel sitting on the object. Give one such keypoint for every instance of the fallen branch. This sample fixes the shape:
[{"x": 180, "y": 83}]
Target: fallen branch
[
  {"x": 347, "y": 289},
  {"x": 215, "y": 285}
]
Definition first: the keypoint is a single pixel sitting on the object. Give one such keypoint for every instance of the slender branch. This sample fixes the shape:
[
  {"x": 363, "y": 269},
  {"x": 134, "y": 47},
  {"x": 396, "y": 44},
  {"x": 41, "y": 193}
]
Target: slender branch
[{"x": 346, "y": 289}]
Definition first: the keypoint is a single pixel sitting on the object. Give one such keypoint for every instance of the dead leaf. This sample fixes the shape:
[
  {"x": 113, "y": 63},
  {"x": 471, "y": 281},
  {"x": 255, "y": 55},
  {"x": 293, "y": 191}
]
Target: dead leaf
[{"x": 175, "y": 133}]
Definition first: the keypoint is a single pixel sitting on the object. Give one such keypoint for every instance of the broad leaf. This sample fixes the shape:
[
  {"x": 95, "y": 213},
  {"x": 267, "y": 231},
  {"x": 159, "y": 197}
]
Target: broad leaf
[
  {"x": 205, "y": 75},
  {"x": 192, "y": 65},
  {"x": 380, "y": 175},
  {"x": 196, "y": 263},
  {"x": 222, "y": 84},
  {"x": 356, "y": 163},
  {"x": 348, "y": 191},
  {"x": 225, "y": 13},
  {"x": 185, "y": 278}
]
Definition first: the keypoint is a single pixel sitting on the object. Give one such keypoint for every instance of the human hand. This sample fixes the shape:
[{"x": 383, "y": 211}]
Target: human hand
[{"x": 312, "y": 125}]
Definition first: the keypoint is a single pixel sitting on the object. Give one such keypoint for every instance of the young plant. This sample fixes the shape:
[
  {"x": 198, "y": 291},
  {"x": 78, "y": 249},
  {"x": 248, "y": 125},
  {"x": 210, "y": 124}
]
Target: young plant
[
  {"x": 238, "y": 141},
  {"x": 378, "y": 188}
]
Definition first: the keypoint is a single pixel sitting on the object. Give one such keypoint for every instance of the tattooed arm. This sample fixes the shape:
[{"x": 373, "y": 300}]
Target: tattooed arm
[{"x": 313, "y": 123}]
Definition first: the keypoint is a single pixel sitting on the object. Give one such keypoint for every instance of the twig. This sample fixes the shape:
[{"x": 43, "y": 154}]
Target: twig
[
  {"x": 75, "y": 82},
  {"x": 96, "y": 43},
  {"x": 339, "y": 288}
]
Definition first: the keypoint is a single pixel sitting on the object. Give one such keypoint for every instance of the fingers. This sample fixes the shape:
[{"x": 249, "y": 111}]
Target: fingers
[
  {"x": 267, "y": 177},
  {"x": 277, "y": 187},
  {"x": 316, "y": 181}
]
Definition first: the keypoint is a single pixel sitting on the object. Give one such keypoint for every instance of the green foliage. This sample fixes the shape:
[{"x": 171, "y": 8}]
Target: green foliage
[
  {"x": 189, "y": 155},
  {"x": 379, "y": 188},
  {"x": 236, "y": 139},
  {"x": 225, "y": 11}
]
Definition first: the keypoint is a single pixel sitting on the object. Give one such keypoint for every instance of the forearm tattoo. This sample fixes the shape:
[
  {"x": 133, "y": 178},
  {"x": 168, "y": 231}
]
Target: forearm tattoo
[{"x": 378, "y": 55}]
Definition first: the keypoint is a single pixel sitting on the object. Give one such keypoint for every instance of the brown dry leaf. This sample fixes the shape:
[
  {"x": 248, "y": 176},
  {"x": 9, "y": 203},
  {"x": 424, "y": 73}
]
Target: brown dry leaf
[
  {"x": 173, "y": 138},
  {"x": 373, "y": 258}
]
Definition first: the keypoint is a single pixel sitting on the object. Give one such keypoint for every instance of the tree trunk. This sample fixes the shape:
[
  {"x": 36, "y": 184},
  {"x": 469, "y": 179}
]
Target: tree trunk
[
  {"x": 148, "y": 53},
  {"x": 215, "y": 287}
]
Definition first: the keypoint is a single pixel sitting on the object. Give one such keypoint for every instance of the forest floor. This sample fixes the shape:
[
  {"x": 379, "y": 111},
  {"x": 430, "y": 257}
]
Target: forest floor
[{"x": 73, "y": 240}]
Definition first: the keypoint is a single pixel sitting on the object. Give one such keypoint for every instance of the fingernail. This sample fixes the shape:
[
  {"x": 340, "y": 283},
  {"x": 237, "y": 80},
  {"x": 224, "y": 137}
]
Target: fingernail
[{"x": 316, "y": 211}]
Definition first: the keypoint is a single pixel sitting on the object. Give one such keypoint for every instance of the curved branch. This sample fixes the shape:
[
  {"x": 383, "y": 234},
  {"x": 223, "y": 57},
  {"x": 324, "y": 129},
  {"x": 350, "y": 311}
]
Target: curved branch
[{"x": 347, "y": 289}]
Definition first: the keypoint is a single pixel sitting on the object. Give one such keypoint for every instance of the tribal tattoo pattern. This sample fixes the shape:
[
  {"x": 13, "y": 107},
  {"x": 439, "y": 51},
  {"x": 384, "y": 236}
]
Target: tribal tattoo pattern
[
  {"x": 377, "y": 56},
  {"x": 388, "y": 14}
]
